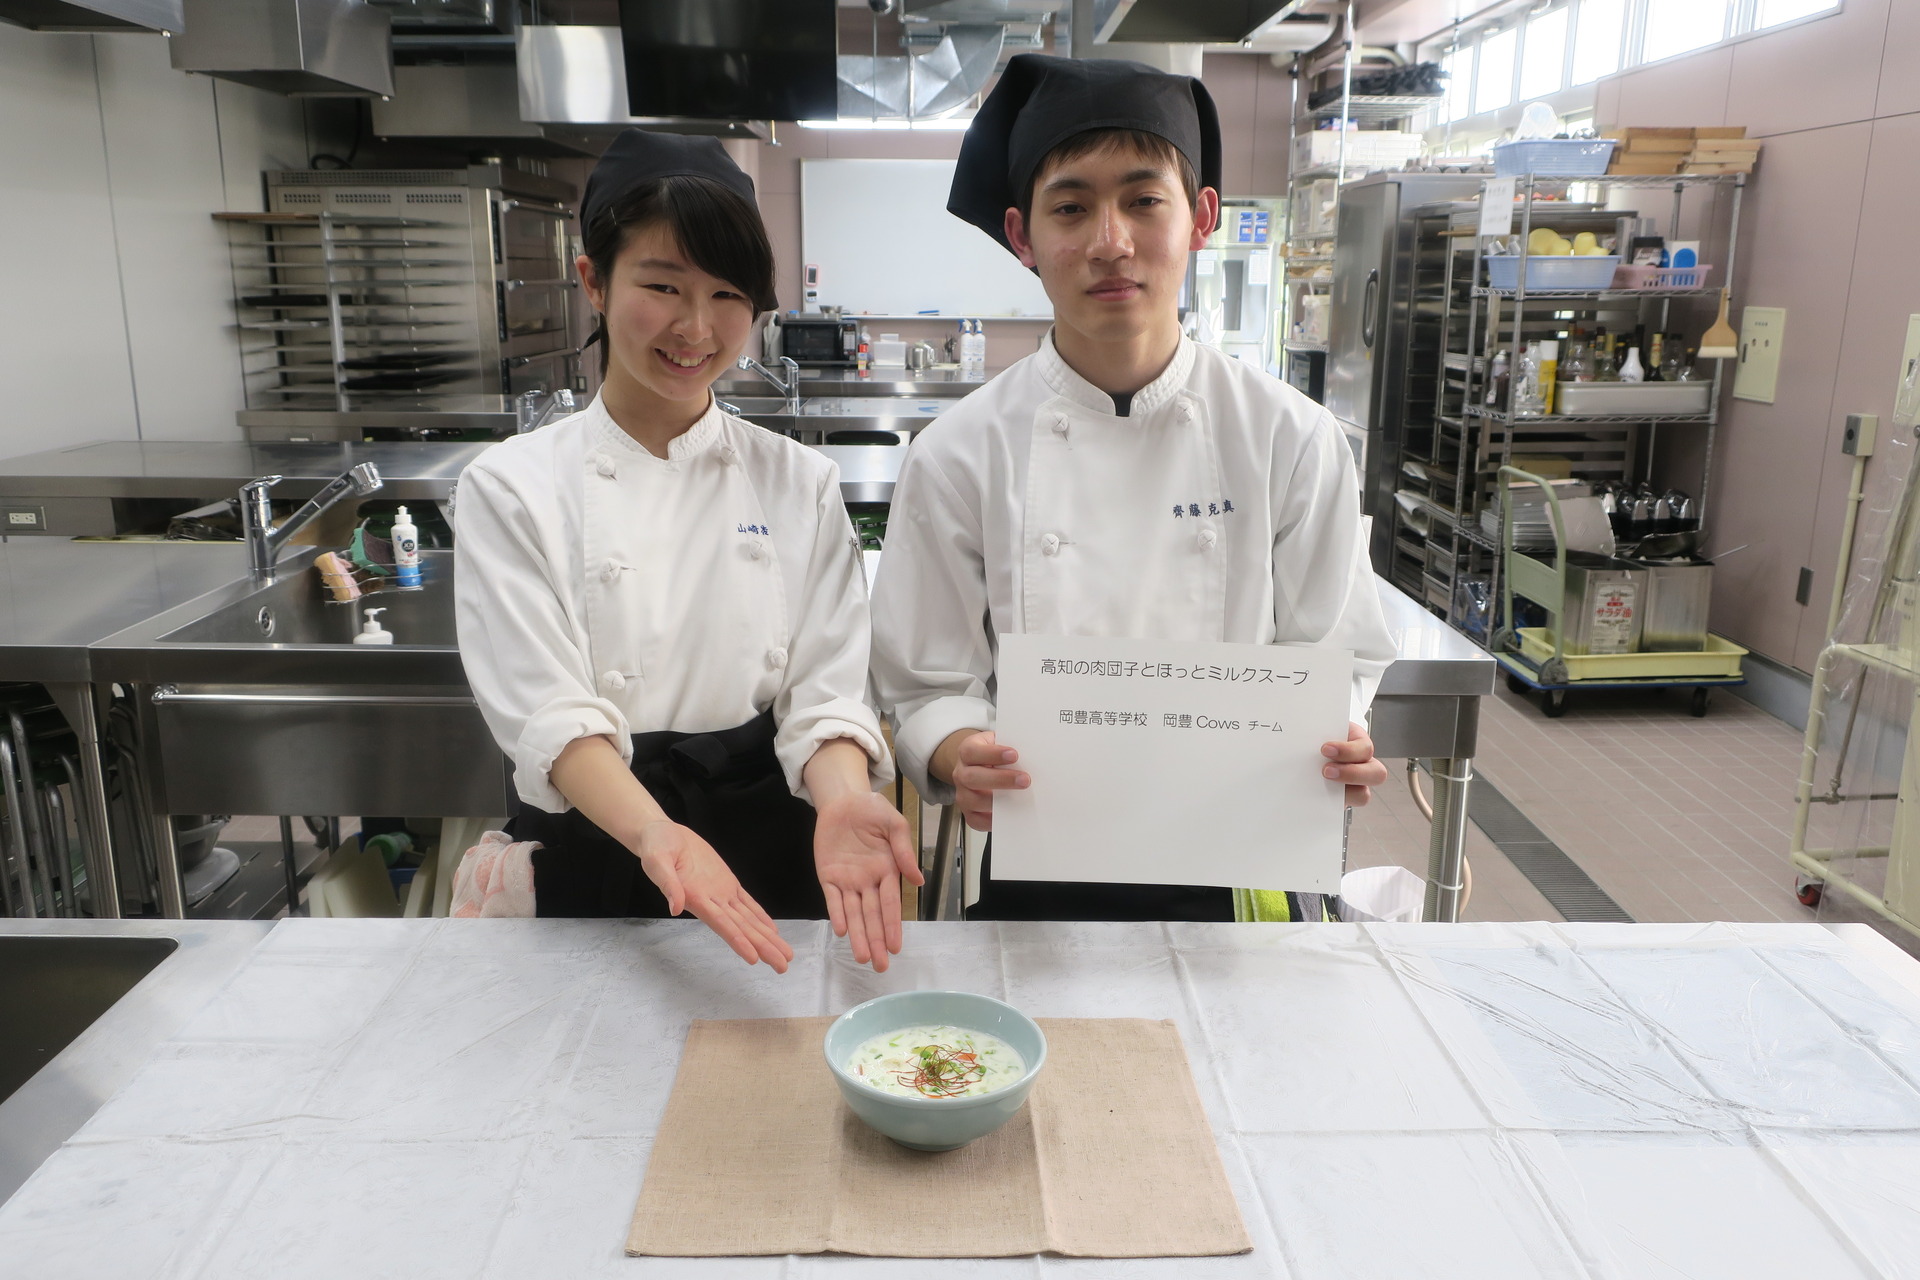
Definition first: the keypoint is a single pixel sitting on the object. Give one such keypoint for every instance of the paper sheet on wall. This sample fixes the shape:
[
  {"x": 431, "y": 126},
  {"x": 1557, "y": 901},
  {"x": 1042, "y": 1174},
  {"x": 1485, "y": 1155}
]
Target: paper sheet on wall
[{"x": 1171, "y": 762}]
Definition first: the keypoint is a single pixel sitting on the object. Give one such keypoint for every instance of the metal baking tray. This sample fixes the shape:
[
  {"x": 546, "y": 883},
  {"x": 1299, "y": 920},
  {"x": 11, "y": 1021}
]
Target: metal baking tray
[{"x": 1581, "y": 398}]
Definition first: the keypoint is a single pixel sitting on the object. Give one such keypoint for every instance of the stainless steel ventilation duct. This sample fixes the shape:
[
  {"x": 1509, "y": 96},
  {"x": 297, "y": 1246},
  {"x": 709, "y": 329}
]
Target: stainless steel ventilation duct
[
  {"x": 573, "y": 85},
  {"x": 313, "y": 48},
  {"x": 93, "y": 15},
  {"x": 924, "y": 85}
]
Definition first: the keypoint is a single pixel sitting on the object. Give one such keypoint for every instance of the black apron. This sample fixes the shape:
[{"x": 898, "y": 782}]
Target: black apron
[
  {"x": 727, "y": 787},
  {"x": 1064, "y": 900}
]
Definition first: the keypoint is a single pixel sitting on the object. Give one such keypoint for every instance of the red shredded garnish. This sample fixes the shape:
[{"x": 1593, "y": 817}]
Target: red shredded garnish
[{"x": 944, "y": 1072}]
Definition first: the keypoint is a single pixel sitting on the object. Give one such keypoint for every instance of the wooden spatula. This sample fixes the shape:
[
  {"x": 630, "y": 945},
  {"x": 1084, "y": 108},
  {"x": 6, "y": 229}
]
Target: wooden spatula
[{"x": 1720, "y": 342}]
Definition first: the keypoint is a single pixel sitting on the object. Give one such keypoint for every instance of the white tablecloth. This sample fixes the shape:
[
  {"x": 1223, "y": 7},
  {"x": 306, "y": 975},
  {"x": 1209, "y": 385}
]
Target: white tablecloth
[{"x": 1404, "y": 1102}]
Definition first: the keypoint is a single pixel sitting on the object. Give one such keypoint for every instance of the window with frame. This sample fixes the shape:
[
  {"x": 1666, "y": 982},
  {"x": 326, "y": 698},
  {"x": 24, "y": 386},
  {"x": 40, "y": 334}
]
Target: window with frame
[
  {"x": 1543, "y": 55},
  {"x": 1674, "y": 27}
]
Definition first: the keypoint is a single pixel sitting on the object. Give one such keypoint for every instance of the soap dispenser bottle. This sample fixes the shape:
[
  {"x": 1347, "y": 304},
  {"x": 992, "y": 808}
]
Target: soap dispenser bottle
[
  {"x": 371, "y": 632},
  {"x": 406, "y": 549}
]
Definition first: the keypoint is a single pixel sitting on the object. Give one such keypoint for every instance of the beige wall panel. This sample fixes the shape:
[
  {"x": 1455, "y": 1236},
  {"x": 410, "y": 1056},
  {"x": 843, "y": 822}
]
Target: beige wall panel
[
  {"x": 1819, "y": 73},
  {"x": 1683, "y": 91},
  {"x": 163, "y": 161},
  {"x": 1883, "y": 290},
  {"x": 63, "y": 347},
  {"x": 1798, "y": 251},
  {"x": 1231, "y": 79},
  {"x": 1900, "y": 61}
]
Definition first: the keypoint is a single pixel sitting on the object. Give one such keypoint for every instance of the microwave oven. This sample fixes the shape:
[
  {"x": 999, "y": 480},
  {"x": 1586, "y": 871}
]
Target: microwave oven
[{"x": 820, "y": 341}]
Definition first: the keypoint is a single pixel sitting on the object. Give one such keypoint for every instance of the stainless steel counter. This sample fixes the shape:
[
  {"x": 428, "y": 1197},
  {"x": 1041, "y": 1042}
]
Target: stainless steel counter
[
  {"x": 72, "y": 491},
  {"x": 951, "y": 383},
  {"x": 58, "y": 597},
  {"x": 61, "y": 1096}
]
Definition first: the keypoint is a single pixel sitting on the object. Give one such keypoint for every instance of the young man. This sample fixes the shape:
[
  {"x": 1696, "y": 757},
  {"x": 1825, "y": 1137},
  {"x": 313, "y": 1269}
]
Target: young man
[{"x": 1121, "y": 481}]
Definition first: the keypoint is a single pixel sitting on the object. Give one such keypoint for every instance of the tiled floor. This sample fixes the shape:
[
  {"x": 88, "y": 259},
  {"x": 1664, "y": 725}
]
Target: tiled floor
[{"x": 1676, "y": 818}]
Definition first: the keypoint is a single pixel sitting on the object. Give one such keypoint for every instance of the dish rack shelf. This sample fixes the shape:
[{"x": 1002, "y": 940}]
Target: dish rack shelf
[{"x": 352, "y": 306}]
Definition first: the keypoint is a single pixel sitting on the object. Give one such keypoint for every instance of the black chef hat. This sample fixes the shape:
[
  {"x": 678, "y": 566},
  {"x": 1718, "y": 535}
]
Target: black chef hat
[
  {"x": 1042, "y": 101},
  {"x": 638, "y": 157}
]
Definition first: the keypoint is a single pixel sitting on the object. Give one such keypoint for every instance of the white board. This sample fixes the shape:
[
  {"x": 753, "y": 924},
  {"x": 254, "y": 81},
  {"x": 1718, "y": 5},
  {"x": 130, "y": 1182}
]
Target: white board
[{"x": 881, "y": 235}]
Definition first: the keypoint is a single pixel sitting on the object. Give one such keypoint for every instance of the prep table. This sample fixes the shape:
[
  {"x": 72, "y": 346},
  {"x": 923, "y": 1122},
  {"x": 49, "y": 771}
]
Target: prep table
[
  {"x": 79, "y": 614},
  {"x": 1501, "y": 1102},
  {"x": 72, "y": 491}
]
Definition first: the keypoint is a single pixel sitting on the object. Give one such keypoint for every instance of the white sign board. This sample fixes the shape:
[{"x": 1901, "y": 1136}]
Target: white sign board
[{"x": 1171, "y": 762}]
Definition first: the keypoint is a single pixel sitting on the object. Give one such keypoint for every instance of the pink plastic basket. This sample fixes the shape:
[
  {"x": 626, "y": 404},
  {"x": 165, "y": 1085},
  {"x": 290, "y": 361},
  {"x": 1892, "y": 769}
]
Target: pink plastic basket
[{"x": 1625, "y": 277}]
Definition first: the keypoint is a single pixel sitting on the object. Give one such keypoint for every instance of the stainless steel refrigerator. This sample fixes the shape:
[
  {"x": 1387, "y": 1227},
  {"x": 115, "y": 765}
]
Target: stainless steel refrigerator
[{"x": 1370, "y": 326}]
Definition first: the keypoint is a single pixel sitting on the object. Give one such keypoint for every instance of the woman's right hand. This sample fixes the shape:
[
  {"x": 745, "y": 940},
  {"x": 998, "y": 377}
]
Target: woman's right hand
[{"x": 695, "y": 878}]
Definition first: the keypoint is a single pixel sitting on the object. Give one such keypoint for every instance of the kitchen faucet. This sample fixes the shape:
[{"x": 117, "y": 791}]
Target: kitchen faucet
[
  {"x": 256, "y": 512},
  {"x": 532, "y": 414},
  {"x": 788, "y": 386}
]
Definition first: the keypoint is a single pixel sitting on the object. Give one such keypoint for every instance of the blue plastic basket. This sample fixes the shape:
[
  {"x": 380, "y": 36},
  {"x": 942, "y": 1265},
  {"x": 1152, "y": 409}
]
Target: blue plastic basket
[
  {"x": 1553, "y": 158},
  {"x": 1553, "y": 274}
]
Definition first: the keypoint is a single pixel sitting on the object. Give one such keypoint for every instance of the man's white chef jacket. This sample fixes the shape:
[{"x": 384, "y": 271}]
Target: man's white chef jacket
[
  {"x": 603, "y": 590},
  {"x": 1223, "y": 507}
]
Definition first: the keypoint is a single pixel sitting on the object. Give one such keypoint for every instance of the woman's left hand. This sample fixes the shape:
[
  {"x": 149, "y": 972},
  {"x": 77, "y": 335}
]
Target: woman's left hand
[
  {"x": 861, "y": 849},
  {"x": 1352, "y": 762}
]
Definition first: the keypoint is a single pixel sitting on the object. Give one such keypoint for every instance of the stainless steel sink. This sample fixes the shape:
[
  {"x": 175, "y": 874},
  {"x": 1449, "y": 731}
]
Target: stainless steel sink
[
  {"x": 53, "y": 988},
  {"x": 254, "y": 699},
  {"x": 292, "y": 611}
]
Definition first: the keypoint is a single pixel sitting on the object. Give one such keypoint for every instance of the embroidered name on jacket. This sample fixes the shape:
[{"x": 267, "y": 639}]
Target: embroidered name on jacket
[
  {"x": 753, "y": 528},
  {"x": 1197, "y": 509}
]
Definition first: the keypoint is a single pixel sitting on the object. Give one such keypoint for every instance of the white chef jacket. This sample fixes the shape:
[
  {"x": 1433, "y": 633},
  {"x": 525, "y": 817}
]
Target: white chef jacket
[
  {"x": 603, "y": 590},
  {"x": 1224, "y": 507}
]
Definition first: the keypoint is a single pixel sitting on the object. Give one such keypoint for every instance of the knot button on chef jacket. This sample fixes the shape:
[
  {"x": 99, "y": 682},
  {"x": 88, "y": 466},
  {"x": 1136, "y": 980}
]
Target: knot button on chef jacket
[
  {"x": 1223, "y": 506},
  {"x": 603, "y": 590}
]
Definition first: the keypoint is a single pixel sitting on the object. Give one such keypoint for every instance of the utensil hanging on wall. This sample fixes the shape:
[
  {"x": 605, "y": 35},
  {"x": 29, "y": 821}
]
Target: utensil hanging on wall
[{"x": 1720, "y": 342}]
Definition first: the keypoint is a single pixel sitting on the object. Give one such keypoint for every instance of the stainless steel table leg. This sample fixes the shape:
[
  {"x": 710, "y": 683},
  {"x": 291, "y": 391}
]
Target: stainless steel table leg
[
  {"x": 76, "y": 703},
  {"x": 934, "y": 893},
  {"x": 173, "y": 897},
  {"x": 286, "y": 863},
  {"x": 1447, "y": 843}
]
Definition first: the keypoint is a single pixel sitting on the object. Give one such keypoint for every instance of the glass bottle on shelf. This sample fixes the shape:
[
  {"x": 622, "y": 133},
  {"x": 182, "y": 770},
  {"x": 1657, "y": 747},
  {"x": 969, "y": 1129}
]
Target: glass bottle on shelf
[
  {"x": 1656, "y": 357},
  {"x": 1673, "y": 362},
  {"x": 1603, "y": 367},
  {"x": 1577, "y": 365},
  {"x": 1529, "y": 398},
  {"x": 1688, "y": 372},
  {"x": 1630, "y": 370}
]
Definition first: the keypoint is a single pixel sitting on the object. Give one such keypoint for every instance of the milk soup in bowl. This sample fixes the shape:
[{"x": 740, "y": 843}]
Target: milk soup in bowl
[{"x": 933, "y": 1070}]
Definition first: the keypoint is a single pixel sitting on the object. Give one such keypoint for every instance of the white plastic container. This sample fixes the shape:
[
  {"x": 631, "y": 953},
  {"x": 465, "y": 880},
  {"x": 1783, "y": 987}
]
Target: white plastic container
[
  {"x": 890, "y": 352},
  {"x": 406, "y": 549},
  {"x": 371, "y": 632}
]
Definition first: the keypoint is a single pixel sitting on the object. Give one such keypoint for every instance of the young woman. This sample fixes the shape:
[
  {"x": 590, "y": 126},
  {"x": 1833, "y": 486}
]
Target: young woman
[{"x": 662, "y": 610}]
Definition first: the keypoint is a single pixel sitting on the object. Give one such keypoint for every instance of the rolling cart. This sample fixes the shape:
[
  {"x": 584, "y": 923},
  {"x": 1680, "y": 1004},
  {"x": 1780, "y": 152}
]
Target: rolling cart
[{"x": 1535, "y": 659}]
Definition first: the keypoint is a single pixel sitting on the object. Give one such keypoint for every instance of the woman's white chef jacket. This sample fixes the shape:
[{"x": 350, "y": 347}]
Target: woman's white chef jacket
[
  {"x": 1225, "y": 507},
  {"x": 603, "y": 590}
]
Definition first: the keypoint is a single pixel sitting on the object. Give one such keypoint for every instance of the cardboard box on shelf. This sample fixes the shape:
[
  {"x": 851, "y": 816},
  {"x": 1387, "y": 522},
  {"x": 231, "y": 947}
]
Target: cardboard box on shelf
[{"x": 1629, "y": 164}]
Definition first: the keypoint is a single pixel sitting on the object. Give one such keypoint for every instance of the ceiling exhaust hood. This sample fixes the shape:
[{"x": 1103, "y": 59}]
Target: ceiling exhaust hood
[
  {"x": 94, "y": 15},
  {"x": 310, "y": 48},
  {"x": 573, "y": 82},
  {"x": 923, "y": 85},
  {"x": 1185, "y": 21}
]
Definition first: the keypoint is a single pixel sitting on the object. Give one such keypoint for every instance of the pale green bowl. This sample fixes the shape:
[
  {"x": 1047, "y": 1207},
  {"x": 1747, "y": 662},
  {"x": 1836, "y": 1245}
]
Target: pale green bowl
[{"x": 934, "y": 1124}]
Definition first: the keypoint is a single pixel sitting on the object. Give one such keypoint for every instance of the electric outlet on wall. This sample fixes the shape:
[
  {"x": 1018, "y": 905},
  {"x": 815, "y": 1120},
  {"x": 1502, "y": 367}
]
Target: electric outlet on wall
[
  {"x": 1804, "y": 591},
  {"x": 1762, "y": 332},
  {"x": 1858, "y": 437}
]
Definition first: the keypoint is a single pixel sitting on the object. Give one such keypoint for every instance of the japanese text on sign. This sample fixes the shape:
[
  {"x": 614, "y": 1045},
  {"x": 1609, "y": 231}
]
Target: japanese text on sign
[{"x": 1169, "y": 671}]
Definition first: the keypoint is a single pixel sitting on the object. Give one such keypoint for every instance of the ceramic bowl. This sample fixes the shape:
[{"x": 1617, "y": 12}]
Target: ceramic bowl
[{"x": 934, "y": 1124}]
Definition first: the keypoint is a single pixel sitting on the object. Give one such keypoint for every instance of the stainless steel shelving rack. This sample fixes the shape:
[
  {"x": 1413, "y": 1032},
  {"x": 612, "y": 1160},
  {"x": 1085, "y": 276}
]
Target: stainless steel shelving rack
[
  {"x": 1307, "y": 261},
  {"x": 338, "y": 298},
  {"x": 1438, "y": 541}
]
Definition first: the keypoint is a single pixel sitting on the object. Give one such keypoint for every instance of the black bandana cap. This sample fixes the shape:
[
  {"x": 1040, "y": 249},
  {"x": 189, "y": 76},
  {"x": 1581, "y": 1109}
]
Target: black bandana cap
[
  {"x": 1041, "y": 101},
  {"x": 638, "y": 157}
]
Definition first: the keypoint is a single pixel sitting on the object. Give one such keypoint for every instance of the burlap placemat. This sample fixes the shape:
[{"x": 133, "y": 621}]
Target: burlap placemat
[{"x": 1110, "y": 1158}]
